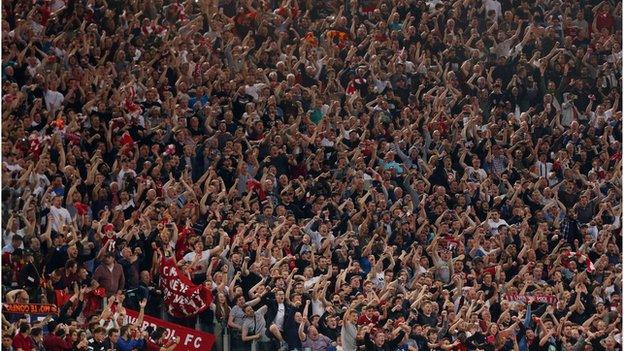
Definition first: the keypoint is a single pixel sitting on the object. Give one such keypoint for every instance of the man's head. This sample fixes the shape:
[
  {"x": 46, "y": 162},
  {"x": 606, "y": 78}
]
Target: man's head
[
  {"x": 109, "y": 259},
  {"x": 7, "y": 341},
  {"x": 240, "y": 301},
  {"x": 279, "y": 296},
  {"x": 99, "y": 334},
  {"x": 124, "y": 332},
  {"x": 114, "y": 334},
  {"x": 249, "y": 311},
  {"x": 56, "y": 201},
  {"x": 158, "y": 335},
  {"x": 313, "y": 333},
  {"x": 380, "y": 338},
  {"x": 495, "y": 215}
]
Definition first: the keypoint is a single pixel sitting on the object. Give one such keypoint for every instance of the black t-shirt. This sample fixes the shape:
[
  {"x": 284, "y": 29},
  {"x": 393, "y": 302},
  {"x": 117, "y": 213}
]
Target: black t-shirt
[
  {"x": 291, "y": 332},
  {"x": 281, "y": 163},
  {"x": 149, "y": 104},
  {"x": 306, "y": 80},
  {"x": 56, "y": 259},
  {"x": 248, "y": 282},
  {"x": 97, "y": 346},
  {"x": 301, "y": 264},
  {"x": 20, "y": 76},
  {"x": 229, "y": 8},
  {"x": 332, "y": 333},
  {"x": 423, "y": 320},
  {"x": 497, "y": 98}
]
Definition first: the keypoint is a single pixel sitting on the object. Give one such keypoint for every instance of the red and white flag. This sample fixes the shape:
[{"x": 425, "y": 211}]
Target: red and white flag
[
  {"x": 182, "y": 297},
  {"x": 541, "y": 298},
  {"x": 580, "y": 258}
]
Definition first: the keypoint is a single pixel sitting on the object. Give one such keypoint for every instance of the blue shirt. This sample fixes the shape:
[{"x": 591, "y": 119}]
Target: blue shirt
[
  {"x": 203, "y": 100},
  {"x": 129, "y": 345},
  {"x": 392, "y": 164},
  {"x": 59, "y": 191},
  {"x": 365, "y": 264}
]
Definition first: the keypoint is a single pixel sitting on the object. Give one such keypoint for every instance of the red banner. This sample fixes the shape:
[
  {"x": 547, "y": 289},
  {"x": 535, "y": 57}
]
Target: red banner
[
  {"x": 190, "y": 339},
  {"x": 182, "y": 297},
  {"x": 568, "y": 256},
  {"x": 30, "y": 308},
  {"x": 540, "y": 298},
  {"x": 61, "y": 297}
]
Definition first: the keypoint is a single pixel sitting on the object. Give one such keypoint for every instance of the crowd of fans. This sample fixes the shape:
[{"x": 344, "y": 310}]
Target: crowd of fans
[{"x": 371, "y": 175}]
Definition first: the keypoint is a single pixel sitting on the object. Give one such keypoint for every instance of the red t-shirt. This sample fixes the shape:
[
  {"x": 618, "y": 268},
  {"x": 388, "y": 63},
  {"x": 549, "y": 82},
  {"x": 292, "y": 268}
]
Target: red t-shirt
[
  {"x": 22, "y": 342},
  {"x": 364, "y": 320},
  {"x": 56, "y": 343},
  {"x": 45, "y": 13},
  {"x": 604, "y": 20},
  {"x": 151, "y": 346},
  {"x": 181, "y": 243}
]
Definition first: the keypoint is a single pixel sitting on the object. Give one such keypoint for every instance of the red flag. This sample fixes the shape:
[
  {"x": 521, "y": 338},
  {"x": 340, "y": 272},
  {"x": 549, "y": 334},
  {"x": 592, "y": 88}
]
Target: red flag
[
  {"x": 190, "y": 339},
  {"x": 540, "y": 298},
  {"x": 59, "y": 123},
  {"x": 126, "y": 139},
  {"x": 253, "y": 184},
  {"x": 100, "y": 292},
  {"x": 81, "y": 208},
  {"x": 61, "y": 297},
  {"x": 182, "y": 297},
  {"x": 93, "y": 301}
]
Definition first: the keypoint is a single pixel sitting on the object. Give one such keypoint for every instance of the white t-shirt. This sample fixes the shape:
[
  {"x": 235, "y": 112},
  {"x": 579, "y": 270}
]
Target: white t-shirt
[
  {"x": 327, "y": 143},
  {"x": 252, "y": 90},
  {"x": 381, "y": 85},
  {"x": 7, "y": 236},
  {"x": 36, "y": 27},
  {"x": 410, "y": 67},
  {"x": 593, "y": 231},
  {"x": 202, "y": 265},
  {"x": 190, "y": 257},
  {"x": 56, "y": 5},
  {"x": 279, "y": 317},
  {"x": 419, "y": 271},
  {"x": 543, "y": 169},
  {"x": 53, "y": 100},
  {"x": 125, "y": 205},
  {"x": 317, "y": 307},
  {"x": 59, "y": 213},
  {"x": 503, "y": 48},
  {"x": 494, "y": 225},
  {"x": 12, "y": 168},
  {"x": 476, "y": 174},
  {"x": 379, "y": 280},
  {"x": 310, "y": 282},
  {"x": 40, "y": 181},
  {"x": 493, "y": 5},
  {"x": 596, "y": 118},
  {"x": 8, "y": 248},
  {"x": 432, "y": 3},
  {"x": 32, "y": 70},
  {"x": 122, "y": 174}
]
